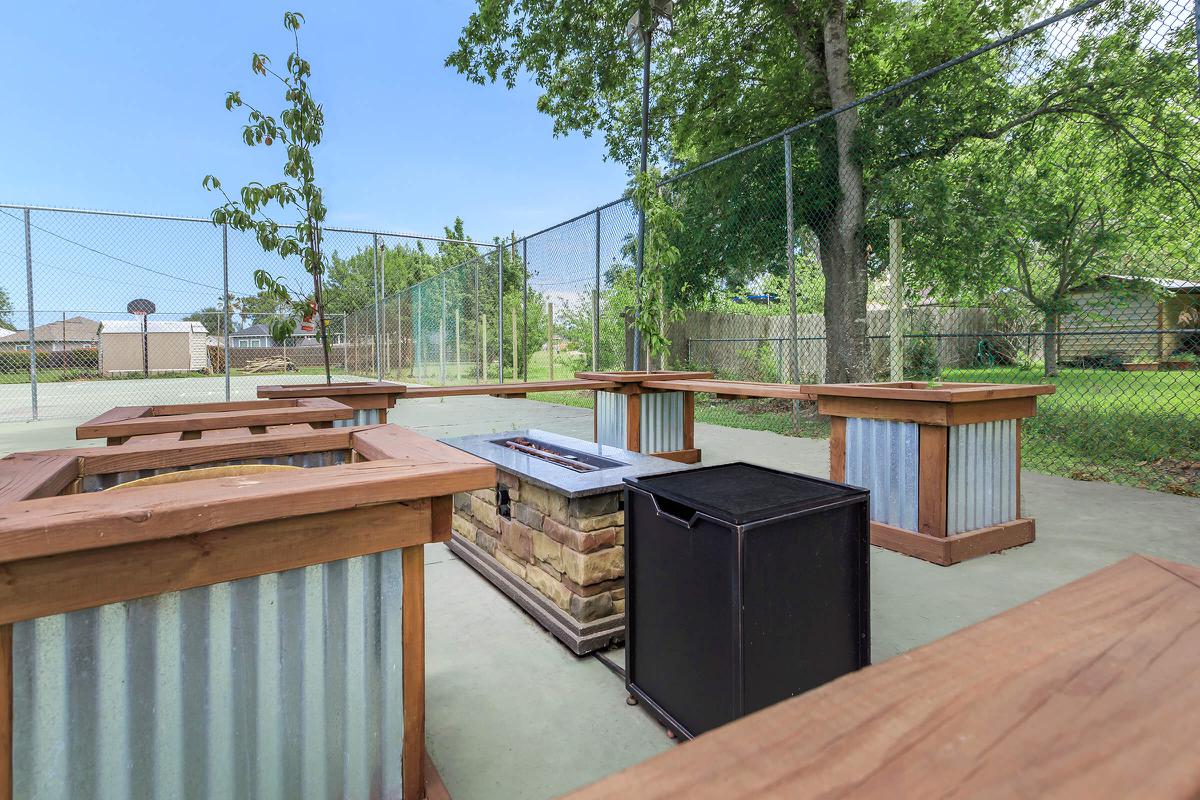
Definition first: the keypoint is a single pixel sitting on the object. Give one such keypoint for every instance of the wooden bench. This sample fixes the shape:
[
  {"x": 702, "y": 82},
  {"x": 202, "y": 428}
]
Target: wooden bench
[{"x": 192, "y": 420}]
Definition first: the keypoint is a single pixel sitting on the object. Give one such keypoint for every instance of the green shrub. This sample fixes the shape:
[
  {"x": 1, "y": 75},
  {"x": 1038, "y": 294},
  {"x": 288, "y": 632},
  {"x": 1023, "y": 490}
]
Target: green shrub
[{"x": 921, "y": 358}]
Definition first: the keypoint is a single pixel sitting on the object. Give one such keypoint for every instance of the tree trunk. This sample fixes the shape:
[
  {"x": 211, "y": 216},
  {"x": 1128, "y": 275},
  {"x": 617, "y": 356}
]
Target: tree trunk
[
  {"x": 1050, "y": 344},
  {"x": 843, "y": 250}
]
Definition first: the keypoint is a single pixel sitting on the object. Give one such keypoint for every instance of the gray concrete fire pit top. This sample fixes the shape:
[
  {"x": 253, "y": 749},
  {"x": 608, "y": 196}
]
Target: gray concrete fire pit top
[{"x": 547, "y": 459}]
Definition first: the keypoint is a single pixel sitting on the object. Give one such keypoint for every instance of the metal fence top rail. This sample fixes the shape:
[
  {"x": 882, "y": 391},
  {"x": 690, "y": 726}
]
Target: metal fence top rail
[{"x": 174, "y": 218}]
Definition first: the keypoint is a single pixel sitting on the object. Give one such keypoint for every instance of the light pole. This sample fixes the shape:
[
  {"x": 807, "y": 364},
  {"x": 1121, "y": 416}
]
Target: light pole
[{"x": 640, "y": 30}]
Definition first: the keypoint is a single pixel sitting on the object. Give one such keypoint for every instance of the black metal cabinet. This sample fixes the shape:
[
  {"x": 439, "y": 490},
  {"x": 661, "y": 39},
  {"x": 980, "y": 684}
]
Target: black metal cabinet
[{"x": 744, "y": 586}]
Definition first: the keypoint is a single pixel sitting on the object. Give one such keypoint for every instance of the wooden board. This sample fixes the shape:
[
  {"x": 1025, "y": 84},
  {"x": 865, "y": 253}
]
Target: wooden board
[
  {"x": 404, "y": 445},
  {"x": 837, "y": 449},
  {"x": 413, "y": 637},
  {"x": 734, "y": 389},
  {"x": 317, "y": 409},
  {"x": 24, "y": 476},
  {"x": 932, "y": 468},
  {"x": 942, "y": 393},
  {"x": 36, "y": 528},
  {"x": 948, "y": 550},
  {"x": 118, "y": 414},
  {"x": 641, "y": 376},
  {"x": 146, "y": 452},
  {"x": 1088, "y": 691},
  {"x": 56, "y": 584},
  {"x": 340, "y": 389},
  {"x": 502, "y": 389}
]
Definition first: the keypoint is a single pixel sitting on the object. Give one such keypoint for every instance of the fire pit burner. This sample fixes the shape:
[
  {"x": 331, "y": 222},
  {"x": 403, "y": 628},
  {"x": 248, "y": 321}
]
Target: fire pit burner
[{"x": 559, "y": 456}]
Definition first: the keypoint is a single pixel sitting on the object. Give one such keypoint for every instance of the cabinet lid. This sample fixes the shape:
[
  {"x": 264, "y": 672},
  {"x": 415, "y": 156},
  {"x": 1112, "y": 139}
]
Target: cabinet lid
[{"x": 741, "y": 493}]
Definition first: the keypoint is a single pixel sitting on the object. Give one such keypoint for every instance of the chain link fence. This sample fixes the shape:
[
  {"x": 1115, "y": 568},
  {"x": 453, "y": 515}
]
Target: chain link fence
[
  {"x": 1050, "y": 236},
  {"x": 70, "y": 347}
]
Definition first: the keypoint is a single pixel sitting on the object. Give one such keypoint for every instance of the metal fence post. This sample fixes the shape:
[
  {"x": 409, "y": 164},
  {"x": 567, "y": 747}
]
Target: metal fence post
[
  {"x": 791, "y": 267},
  {"x": 418, "y": 344},
  {"x": 596, "y": 303},
  {"x": 442, "y": 336},
  {"x": 481, "y": 350},
  {"x": 500, "y": 312},
  {"x": 525, "y": 312},
  {"x": 378, "y": 310},
  {"x": 225, "y": 283},
  {"x": 32, "y": 336},
  {"x": 896, "y": 301}
]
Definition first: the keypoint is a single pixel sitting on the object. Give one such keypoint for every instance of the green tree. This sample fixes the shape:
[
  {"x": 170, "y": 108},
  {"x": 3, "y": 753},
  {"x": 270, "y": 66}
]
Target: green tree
[
  {"x": 211, "y": 317},
  {"x": 6, "y": 309},
  {"x": 298, "y": 129},
  {"x": 736, "y": 70}
]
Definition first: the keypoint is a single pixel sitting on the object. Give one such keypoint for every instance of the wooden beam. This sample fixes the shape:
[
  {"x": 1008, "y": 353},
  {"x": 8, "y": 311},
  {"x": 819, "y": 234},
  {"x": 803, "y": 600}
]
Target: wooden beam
[
  {"x": 24, "y": 476},
  {"x": 690, "y": 456},
  {"x": 413, "y": 638},
  {"x": 734, "y": 389},
  {"x": 150, "y": 454},
  {"x": 924, "y": 413},
  {"x": 837, "y": 449},
  {"x": 6, "y": 712},
  {"x": 317, "y": 409},
  {"x": 39, "y": 587},
  {"x": 633, "y": 423},
  {"x": 502, "y": 389},
  {"x": 947, "y": 550},
  {"x": 933, "y": 463},
  {"x": 97, "y": 520},
  {"x": 406, "y": 445},
  {"x": 689, "y": 420}
]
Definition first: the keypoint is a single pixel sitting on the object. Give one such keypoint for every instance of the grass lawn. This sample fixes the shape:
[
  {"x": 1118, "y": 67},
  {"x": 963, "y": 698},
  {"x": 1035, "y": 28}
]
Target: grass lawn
[{"x": 1136, "y": 428}]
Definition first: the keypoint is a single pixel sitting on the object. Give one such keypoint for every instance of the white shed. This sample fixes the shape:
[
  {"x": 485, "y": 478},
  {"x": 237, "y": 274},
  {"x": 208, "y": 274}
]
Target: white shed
[{"x": 170, "y": 346}]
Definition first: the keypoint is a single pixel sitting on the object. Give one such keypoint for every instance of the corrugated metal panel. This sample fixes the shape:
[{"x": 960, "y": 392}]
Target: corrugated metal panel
[
  {"x": 362, "y": 416},
  {"x": 662, "y": 422},
  {"x": 883, "y": 456},
  {"x": 329, "y": 458},
  {"x": 610, "y": 419},
  {"x": 282, "y": 686},
  {"x": 981, "y": 482}
]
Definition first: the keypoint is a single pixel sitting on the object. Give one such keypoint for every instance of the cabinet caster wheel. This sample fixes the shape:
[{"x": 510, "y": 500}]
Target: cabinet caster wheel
[{"x": 631, "y": 700}]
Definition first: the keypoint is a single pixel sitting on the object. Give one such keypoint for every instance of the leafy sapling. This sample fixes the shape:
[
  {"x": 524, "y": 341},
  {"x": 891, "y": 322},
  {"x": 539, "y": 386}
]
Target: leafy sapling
[{"x": 298, "y": 130}]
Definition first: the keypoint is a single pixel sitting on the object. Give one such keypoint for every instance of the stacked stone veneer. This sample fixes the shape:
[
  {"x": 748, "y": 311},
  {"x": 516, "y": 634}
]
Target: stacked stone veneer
[{"x": 570, "y": 550}]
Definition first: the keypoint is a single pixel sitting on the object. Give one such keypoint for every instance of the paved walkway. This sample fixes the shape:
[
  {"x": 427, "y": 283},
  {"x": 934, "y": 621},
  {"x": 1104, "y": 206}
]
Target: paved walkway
[{"x": 512, "y": 714}]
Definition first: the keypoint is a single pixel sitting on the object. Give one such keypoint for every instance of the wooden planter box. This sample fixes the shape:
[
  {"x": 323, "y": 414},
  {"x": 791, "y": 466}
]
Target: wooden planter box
[
  {"x": 369, "y": 399},
  {"x": 656, "y": 421},
  {"x": 213, "y": 616},
  {"x": 943, "y": 464},
  {"x": 189, "y": 421}
]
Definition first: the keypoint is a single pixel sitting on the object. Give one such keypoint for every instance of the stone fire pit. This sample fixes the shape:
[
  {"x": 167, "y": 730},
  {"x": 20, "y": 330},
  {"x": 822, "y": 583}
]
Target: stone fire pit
[{"x": 550, "y": 535}]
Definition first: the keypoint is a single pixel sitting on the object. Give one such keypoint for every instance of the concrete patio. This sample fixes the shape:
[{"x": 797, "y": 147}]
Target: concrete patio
[{"x": 512, "y": 714}]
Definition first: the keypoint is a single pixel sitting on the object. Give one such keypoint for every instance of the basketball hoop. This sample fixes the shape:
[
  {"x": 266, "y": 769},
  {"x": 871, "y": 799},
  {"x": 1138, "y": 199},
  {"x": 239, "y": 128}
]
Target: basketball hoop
[{"x": 140, "y": 307}]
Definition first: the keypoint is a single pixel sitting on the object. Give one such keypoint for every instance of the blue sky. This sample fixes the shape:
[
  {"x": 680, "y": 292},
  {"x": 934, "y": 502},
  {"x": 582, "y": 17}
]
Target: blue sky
[{"x": 119, "y": 106}]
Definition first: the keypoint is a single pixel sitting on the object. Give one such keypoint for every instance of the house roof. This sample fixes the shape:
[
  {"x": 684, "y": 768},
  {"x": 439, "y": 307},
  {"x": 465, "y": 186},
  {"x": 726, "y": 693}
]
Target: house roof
[
  {"x": 1169, "y": 284},
  {"x": 74, "y": 329},
  {"x": 152, "y": 326}
]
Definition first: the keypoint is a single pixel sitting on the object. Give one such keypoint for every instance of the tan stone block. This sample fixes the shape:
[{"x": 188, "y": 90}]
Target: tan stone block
[
  {"x": 507, "y": 561},
  {"x": 484, "y": 542},
  {"x": 618, "y": 606},
  {"x": 586, "y": 609},
  {"x": 549, "y": 503},
  {"x": 595, "y": 505},
  {"x": 586, "y": 524},
  {"x": 486, "y": 495},
  {"x": 548, "y": 550},
  {"x": 579, "y": 540},
  {"x": 462, "y": 502},
  {"x": 595, "y": 588},
  {"x": 548, "y": 585},
  {"x": 517, "y": 538},
  {"x": 550, "y": 569},
  {"x": 619, "y": 593},
  {"x": 528, "y": 515},
  {"x": 621, "y": 535},
  {"x": 463, "y": 526},
  {"x": 589, "y": 568},
  {"x": 484, "y": 514}
]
